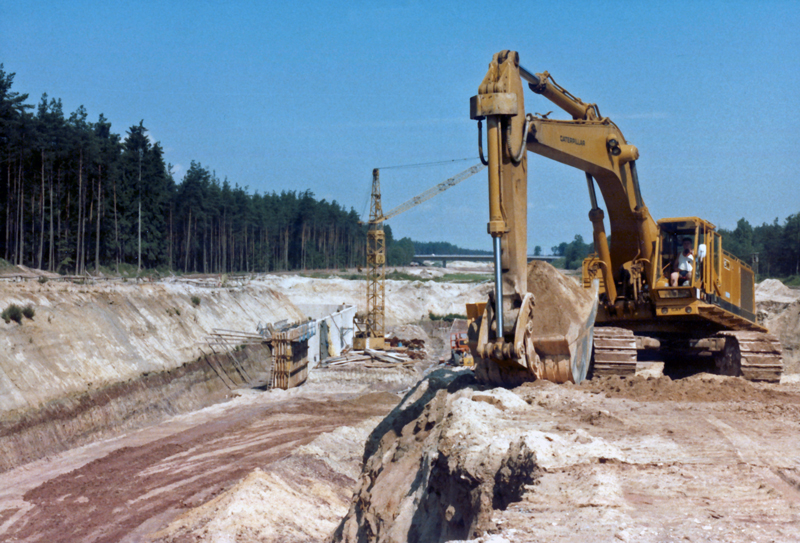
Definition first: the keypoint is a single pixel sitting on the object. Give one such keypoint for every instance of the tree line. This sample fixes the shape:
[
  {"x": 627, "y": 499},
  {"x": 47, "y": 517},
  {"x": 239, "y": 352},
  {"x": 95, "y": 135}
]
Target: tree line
[
  {"x": 772, "y": 248},
  {"x": 78, "y": 198}
]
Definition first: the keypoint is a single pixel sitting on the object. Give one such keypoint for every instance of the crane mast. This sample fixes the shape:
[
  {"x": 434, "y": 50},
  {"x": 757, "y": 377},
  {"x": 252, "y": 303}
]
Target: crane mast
[{"x": 373, "y": 326}]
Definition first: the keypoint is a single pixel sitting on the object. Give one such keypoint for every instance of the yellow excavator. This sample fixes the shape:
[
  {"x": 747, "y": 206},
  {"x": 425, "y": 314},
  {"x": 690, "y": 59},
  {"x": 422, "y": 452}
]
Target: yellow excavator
[{"x": 667, "y": 287}]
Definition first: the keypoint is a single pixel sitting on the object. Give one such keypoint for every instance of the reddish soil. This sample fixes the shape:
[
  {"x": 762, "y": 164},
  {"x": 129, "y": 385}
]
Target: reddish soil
[
  {"x": 134, "y": 489},
  {"x": 698, "y": 388}
]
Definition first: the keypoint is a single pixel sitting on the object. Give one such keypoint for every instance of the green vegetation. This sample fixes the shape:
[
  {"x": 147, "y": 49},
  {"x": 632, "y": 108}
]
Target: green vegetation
[
  {"x": 29, "y": 311},
  {"x": 450, "y": 317},
  {"x": 396, "y": 275},
  {"x": 79, "y": 184},
  {"x": 777, "y": 246},
  {"x": 792, "y": 281},
  {"x": 572, "y": 253},
  {"x": 318, "y": 275},
  {"x": 463, "y": 278},
  {"x": 195, "y": 301},
  {"x": 12, "y": 313},
  {"x": 445, "y": 248},
  {"x": 42, "y": 279}
]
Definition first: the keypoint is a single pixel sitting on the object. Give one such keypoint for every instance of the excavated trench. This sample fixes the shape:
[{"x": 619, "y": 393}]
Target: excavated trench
[{"x": 80, "y": 418}]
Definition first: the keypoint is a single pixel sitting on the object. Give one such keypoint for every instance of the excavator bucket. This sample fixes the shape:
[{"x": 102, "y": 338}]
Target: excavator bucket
[{"x": 558, "y": 328}]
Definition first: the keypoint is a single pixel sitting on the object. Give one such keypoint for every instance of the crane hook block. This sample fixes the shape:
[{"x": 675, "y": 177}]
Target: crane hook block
[{"x": 496, "y": 103}]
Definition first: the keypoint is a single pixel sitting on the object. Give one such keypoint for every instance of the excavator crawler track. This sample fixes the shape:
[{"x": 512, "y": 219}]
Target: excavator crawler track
[
  {"x": 756, "y": 356},
  {"x": 614, "y": 352}
]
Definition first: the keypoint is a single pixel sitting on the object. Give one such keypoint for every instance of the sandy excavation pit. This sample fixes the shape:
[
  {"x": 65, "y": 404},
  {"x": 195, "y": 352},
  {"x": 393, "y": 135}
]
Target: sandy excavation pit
[{"x": 646, "y": 459}]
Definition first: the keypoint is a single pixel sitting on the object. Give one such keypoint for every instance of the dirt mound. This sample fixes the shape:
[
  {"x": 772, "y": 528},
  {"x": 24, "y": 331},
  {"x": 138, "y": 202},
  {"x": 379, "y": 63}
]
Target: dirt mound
[
  {"x": 778, "y": 309},
  {"x": 703, "y": 387},
  {"x": 560, "y": 302},
  {"x": 562, "y": 308},
  {"x": 299, "y": 498},
  {"x": 786, "y": 325},
  {"x": 409, "y": 332},
  {"x": 772, "y": 290},
  {"x": 434, "y": 471}
]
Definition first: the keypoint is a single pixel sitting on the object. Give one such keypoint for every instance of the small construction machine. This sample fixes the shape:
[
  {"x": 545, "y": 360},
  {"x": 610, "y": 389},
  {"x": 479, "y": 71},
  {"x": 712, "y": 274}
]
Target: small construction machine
[
  {"x": 699, "y": 318},
  {"x": 460, "y": 354}
]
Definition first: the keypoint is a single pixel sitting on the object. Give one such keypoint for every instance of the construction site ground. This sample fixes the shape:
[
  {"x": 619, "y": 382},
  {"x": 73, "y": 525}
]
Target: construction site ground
[
  {"x": 123, "y": 489},
  {"x": 704, "y": 458}
]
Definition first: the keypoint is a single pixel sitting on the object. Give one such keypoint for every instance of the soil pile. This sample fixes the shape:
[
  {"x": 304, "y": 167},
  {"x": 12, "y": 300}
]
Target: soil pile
[
  {"x": 562, "y": 309},
  {"x": 300, "y": 498},
  {"x": 409, "y": 332},
  {"x": 772, "y": 291},
  {"x": 703, "y": 387},
  {"x": 779, "y": 310},
  {"x": 434, "y": 470}
]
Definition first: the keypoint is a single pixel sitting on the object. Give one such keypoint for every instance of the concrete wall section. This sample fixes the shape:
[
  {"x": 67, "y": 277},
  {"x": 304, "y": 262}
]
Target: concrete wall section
[{"x": 334, "y": 330}]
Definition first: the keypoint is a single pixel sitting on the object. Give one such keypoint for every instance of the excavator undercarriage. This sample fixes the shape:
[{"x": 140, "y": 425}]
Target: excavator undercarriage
[{"x": 639, "y": 292}]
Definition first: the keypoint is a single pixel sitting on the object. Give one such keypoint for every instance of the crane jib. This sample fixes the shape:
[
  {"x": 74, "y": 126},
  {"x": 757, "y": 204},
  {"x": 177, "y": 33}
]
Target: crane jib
[{"x": 433, "y": 191}]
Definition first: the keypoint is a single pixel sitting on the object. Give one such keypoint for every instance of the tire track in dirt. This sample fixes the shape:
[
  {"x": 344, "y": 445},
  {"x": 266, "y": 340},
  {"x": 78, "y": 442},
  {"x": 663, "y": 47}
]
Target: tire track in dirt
[{"x": 107, "y": 499}]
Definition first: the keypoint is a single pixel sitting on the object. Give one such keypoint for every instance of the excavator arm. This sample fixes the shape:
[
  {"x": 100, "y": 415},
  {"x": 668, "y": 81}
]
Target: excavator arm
[{"x": 588, "y": 142}]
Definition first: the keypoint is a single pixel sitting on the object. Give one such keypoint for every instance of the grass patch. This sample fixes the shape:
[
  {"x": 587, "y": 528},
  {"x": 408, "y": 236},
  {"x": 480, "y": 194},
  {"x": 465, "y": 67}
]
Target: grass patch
[
  {"x": 195, "y": 301},
  {"x": 792, "y": 281},
  {"x": 395, "y": 275},
  {"x": 28, "y": 311},
  {"x": 463, "y": 278},
  {"x": 450, "y": 317},
  {"x": 446, "y": 278},
  {"x": 12, "y": 313},
  {"x": 317, "y": 275}
]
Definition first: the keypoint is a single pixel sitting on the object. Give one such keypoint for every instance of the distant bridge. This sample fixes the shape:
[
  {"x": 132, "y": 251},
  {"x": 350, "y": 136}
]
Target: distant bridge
[{"x": 472, "y": 258}]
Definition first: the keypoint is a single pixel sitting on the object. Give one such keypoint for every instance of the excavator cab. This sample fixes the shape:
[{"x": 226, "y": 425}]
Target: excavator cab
[{"x": 672, "y": 233}]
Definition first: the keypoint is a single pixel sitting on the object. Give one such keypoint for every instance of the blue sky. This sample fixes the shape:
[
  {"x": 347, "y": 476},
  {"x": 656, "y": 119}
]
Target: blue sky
[{"x": 313, "y": 95}]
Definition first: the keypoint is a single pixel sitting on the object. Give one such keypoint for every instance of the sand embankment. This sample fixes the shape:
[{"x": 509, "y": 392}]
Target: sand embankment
[{"x": 110, "y": 356}]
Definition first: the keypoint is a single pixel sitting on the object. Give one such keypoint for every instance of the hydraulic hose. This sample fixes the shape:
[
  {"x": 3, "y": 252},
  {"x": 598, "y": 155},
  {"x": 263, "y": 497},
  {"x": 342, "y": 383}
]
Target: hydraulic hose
[{"x": 480, "y": 144}]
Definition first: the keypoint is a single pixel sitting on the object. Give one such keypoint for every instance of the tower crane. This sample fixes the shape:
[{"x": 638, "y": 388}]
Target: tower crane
[{"x": 371, "y": 328}]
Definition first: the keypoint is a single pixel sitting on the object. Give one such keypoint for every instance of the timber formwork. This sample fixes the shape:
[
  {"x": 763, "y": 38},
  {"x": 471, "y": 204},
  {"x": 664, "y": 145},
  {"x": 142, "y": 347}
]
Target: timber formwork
[{"x": 290, "y": 355}]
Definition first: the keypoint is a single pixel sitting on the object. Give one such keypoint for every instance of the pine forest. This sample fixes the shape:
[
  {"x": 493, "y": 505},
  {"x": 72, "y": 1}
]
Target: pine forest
[{"x": 78, "y": 198}]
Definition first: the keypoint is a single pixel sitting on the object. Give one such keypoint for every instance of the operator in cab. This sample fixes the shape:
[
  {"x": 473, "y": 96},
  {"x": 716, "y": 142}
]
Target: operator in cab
[{"x": 683, "y": 265}]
